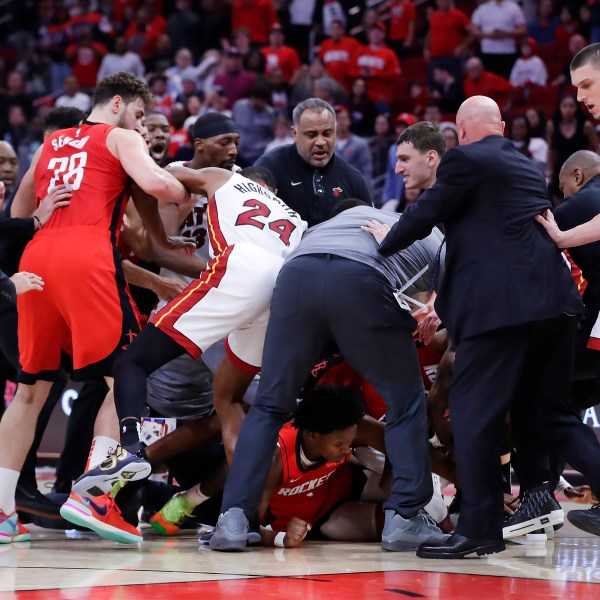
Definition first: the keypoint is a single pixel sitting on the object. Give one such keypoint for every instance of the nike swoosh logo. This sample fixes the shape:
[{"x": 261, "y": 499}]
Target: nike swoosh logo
[
  {"x": 101, "y": 510},
  {"x": 295, "y": 183},
  {"x": 294, "y": 480}
]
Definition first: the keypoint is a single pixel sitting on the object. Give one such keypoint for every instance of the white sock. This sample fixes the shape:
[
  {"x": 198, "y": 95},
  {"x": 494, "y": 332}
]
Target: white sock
[
  {"x": 8, "y": 485},
  {"x": 195, "y": 495},
  {"x": 101, "y": 447}
]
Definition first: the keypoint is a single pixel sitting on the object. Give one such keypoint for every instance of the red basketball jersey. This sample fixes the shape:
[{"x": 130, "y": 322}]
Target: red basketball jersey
[
  {"x": 79, "y": 158},
  {"x": 302, "y": 494}
]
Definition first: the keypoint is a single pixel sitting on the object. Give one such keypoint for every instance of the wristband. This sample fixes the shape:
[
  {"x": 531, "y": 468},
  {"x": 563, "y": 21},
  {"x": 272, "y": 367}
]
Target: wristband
[
  {"x": 36, "y": 218},
  {"x": 278, "y": 541}
]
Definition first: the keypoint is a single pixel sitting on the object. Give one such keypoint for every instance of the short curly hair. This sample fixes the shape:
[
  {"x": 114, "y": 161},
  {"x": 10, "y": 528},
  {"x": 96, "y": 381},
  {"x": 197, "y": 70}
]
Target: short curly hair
[
  {"x": 328, "y": 408},
  {"x": 123, "y": 84}
]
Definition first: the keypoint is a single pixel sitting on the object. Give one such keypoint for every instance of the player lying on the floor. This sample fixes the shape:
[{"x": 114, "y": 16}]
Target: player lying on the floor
[{"x": 312, "y": 485}]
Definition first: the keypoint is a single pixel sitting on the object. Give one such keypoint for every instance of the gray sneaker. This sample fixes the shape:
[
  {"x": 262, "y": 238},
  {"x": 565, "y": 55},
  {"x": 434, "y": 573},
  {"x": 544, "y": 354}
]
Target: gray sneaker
[
  {"x": 231, "y": 531},
  {"x": 403, "y": 535}
]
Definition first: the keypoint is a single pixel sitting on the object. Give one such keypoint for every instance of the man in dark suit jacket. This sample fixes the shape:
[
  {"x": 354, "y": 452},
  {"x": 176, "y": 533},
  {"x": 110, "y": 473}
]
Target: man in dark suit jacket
[{"x": 505, "y": 300}]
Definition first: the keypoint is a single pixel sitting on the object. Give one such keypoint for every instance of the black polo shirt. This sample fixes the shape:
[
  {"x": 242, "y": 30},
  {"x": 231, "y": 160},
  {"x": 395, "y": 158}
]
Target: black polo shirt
[{"x": 312, "y": 193}]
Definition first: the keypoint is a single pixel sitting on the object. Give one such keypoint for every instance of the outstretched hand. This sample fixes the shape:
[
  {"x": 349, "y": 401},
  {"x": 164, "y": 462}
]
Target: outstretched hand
[
  {"x": 376, "y": 229},
  {"x": 548, "y": 222}
]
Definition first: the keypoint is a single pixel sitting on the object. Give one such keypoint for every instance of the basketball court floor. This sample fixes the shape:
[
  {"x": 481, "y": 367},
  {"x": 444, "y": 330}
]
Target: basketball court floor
[{"x": 56, "y": 565}]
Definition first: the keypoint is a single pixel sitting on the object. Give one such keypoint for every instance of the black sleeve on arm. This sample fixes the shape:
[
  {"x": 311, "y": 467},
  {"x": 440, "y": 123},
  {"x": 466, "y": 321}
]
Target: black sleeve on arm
[
  {"x": 8, "y": 292},
  {"x": 453, "y": 186}
]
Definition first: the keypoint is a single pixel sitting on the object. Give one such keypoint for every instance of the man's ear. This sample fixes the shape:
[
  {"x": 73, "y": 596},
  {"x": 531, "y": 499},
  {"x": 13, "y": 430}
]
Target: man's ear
[{"x": 579, "y": 176}]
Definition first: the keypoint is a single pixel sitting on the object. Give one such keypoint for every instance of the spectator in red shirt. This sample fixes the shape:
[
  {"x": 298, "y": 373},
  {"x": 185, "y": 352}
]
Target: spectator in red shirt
[
  {"x": 479, "y": 82},
  {"x": 86, "y": 18},
  {"x": 236, "y": 82},
  {"x": 142, "y": 34},
  {"x": 447, "y": 39},
  {"x": 179, "y": 135},
  {"x": 336, "y": 53},
  {"x": 281, "y": 56},
  {"x": 85, "y": 56},
  {"x": 256, "y": 15},
  {"x": 379, "y": 66},
  {"x": 402, "y": 24}
]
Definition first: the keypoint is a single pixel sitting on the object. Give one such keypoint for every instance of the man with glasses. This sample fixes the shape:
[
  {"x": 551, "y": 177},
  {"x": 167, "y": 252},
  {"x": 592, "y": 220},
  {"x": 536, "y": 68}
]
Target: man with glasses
[{"x": 311, "y": 179}]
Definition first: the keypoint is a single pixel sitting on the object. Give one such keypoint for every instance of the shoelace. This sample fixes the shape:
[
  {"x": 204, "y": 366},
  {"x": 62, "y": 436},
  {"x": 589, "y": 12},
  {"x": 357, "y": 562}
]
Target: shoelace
[{"x": 429, "y": 519}]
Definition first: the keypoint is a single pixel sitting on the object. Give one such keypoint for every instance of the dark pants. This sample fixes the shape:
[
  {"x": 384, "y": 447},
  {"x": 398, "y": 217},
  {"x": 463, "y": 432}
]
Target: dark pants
[
  {"x": 9, "y": 348},
  {"x": 319, "y": 299},
  {"x": 525, "y": 370}
]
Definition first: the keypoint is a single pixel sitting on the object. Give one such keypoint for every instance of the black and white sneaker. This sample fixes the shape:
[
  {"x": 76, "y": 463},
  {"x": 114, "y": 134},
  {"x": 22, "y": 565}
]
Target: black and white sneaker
[
  {"x": 587, "y": 520},
  {"x": 538, "y": 509}
]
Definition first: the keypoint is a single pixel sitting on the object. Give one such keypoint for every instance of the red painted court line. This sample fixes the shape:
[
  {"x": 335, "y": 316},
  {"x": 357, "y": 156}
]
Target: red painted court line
[{"x": 351, "y": 586}]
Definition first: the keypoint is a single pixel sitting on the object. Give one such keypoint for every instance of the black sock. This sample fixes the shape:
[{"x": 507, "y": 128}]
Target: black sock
[{"x": 130, "y": 434}]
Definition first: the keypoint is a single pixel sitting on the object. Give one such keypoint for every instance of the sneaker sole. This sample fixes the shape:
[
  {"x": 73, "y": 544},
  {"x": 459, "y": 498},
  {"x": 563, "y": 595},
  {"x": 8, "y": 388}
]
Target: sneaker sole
[
  {"x": 480, "y": 551},
  {"x": 158, "y": 526},
  {"x": 584, "y": 524},
  {"x": 399, "y": 546},
  {"x": 6, "y": 538},
  {"x": 40, "y": 512},
  {"x": 221, "y": 543},
  {"x": 556, "y": 517},
  {"x": 90, "y": 485},
  {"x": 74, "y": 514}
]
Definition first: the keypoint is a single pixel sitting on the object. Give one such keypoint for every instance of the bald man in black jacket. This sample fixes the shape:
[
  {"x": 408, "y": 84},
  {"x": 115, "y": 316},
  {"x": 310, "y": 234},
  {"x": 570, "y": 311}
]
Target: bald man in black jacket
[{"x": 507, "y": 300}]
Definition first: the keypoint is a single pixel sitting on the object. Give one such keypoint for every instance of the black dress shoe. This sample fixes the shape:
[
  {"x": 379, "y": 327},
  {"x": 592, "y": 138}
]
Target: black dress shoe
[
  {"x": 459, "y": 546},
  {"x": 34, "y": 502}
]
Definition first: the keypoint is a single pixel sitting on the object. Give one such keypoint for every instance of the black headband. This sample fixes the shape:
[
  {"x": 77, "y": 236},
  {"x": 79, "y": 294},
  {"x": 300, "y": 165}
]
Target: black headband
[{"x": 212, "y": 124}]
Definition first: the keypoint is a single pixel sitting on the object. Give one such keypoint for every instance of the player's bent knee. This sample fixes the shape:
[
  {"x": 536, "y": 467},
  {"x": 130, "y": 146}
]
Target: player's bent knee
[{"x": 352, "y": 522}]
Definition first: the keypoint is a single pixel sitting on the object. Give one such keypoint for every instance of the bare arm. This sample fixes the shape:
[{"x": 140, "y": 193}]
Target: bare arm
[
  {"x": 586, "y": 233},
  {"x": 437, "y": 399},
  {"x": 173, "y": 216},
  {"x": 370, "y": 433},
  {"x": 163, "y": 287},
  {"x": 296, "y": 528},
  {"x": 147, "y": 207},
  {"x": 130, "y": 149},
  {"x": 200, "y": 181}
]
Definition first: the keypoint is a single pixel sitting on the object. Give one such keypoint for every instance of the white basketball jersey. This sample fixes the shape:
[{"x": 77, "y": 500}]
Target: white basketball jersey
[{"x": 242, "y": 211}]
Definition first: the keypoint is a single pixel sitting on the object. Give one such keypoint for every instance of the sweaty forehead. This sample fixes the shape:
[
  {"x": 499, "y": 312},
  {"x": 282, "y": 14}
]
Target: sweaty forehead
[
  {"x": 156, "y": 119},
  {"x": 316, "y": 119}
]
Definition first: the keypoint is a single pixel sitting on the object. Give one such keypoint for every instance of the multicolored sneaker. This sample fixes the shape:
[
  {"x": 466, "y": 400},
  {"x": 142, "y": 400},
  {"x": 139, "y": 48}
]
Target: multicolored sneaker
[
  {"x": 120, "y": 466},
  {"x": 102, "y": 515},
  {"x": 168, "y": 519},
  {"x": 12, "y": 530}
]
